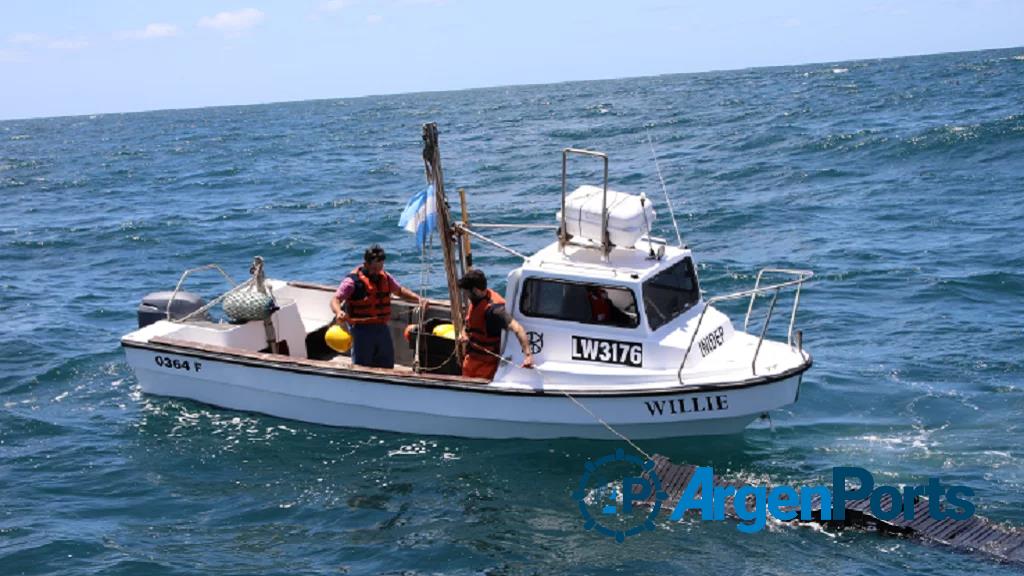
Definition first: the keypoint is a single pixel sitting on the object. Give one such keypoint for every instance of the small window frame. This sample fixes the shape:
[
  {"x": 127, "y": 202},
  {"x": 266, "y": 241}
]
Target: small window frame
[
  {"x": 526, "y": 289},
  {"x": 649, "y": 308}
]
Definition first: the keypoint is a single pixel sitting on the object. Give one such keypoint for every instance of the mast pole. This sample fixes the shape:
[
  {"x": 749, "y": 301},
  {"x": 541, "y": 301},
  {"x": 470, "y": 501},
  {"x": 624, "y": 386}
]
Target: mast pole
[
  {"x": 467, "y": 251},
  {"x": 435, "y": 176}
]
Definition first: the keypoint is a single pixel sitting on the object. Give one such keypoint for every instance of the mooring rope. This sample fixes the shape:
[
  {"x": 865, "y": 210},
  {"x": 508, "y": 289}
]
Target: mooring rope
[
  {"x": 605, "y": 424},
  {"x": 600, "y": 420}
]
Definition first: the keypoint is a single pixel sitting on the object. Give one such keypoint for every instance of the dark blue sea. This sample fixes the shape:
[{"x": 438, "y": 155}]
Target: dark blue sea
[{"x": 900, "y": 182}]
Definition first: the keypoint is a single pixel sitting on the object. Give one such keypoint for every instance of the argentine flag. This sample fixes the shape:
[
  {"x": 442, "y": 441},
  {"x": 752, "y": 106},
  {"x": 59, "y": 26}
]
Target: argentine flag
[{"x": 420, "y": 215}]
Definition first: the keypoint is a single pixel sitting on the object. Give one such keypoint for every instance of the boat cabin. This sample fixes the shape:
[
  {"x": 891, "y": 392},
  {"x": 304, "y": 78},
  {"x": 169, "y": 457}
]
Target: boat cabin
[{"x": 582, "y": 306}]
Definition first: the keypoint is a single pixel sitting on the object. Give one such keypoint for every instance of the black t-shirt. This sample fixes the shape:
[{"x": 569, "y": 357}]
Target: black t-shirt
[{"x": 497, "y": 319}]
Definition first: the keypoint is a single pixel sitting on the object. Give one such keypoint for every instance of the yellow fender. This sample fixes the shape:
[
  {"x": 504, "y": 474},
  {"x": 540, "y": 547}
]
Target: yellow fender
[
  {"x": 338, "y": 339},
  {"x": 445, "y": 331}
]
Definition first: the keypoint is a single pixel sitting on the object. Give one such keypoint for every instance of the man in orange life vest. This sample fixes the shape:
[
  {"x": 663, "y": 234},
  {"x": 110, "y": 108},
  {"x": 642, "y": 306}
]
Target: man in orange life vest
[
  {"x": 363, "y": 299},
  {"x": 485, "y": 320}
]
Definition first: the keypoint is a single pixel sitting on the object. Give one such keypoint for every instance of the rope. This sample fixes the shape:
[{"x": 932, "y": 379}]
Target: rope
[
  {"x": 421, "y": 312},
  {"x": 607, "y": 425},
  {"x": 600, "y": 420},
  {"x": 216, "y": 301},
  {"x": 257, "y": 280},
  {"x": 494, "y": 243},
  {"x": 439, "y": 366}
]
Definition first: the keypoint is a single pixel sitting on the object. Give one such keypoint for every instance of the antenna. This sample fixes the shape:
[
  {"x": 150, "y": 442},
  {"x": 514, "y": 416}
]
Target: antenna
[
  {"x": 650, "y": 243},
  {"x": 665, "y": 190}
]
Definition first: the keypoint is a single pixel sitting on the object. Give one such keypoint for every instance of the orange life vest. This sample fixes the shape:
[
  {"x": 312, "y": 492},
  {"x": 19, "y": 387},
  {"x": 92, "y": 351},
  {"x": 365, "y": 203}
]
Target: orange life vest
[
  {"x": 370, "y": 303},
  {"x": 476, "y": 327}
]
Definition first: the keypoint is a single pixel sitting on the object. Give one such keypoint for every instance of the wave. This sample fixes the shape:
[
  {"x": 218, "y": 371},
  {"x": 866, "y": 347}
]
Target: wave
[{"x": 964, "y": 138}]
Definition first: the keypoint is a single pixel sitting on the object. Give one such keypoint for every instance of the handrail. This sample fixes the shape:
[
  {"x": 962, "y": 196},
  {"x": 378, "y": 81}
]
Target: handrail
[
  {"x": 764, "y": 330},
  {"x": 801, "y": 277},
  {"x": 188, "y": 273}
]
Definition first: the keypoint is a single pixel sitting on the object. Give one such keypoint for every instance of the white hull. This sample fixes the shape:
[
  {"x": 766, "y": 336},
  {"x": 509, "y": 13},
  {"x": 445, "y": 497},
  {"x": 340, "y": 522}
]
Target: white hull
[{"x": 381, "y": 401}]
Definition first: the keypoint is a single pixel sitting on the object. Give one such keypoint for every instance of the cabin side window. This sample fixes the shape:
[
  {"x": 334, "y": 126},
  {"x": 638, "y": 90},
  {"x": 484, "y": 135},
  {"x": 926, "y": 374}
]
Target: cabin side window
[
  {"x": 579, "y": 302},
  {"x": 670, "y": 293}
]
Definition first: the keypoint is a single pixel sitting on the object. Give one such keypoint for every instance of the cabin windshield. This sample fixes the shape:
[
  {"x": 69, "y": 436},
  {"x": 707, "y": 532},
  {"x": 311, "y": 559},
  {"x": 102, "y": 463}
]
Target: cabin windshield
[
  {"x": 670, "y": 293},
  {"x": 579, "y": 302}
]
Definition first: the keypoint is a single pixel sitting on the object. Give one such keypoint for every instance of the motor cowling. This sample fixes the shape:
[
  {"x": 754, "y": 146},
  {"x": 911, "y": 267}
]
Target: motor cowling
[{"x": 154, "y": 306}]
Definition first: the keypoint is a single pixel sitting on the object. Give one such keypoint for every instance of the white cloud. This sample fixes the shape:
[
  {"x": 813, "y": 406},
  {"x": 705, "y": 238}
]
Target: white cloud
[
  {"x": 233, "y": 23},
  {"x": 886, "y": 9},
  {"x": 26, "y": 38},
  {"x": 335, "y": 5},
  {"x": 792, "y": 23},
  {"x": 30, "y": 40},
  {"x": 374, "y": 19},
  {"x": 69, "y": 44},
  {"x": 156, "y": 30},
  {"x": 11, "y": 56}
]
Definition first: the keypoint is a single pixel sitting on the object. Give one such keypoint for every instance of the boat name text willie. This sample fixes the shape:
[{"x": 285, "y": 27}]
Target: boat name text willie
[{"x": 688, "y": 405}]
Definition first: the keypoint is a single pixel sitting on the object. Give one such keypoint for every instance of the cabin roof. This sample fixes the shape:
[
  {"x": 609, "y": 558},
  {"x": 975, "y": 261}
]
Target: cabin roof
[{"x": 585, "y": 261}]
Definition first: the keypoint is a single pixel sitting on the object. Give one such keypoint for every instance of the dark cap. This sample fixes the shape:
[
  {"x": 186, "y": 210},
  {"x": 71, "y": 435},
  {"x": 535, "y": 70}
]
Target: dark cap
[
  {"x": 374, "y": 254},
  {"x": 474, "y": 278}
]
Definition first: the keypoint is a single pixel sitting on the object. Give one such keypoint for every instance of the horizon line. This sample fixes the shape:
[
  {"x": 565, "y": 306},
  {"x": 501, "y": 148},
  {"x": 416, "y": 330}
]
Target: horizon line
[{"x": 498, "y": 86}]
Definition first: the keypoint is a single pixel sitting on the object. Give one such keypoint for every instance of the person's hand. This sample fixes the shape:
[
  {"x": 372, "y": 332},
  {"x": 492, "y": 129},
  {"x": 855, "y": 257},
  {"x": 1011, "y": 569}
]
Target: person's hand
[
  {"x": 341, "y": 317},
  {"x": 528, "y": 360},
  {"x": 423, "y": 303},
  {"x": 463, "y": 337}
]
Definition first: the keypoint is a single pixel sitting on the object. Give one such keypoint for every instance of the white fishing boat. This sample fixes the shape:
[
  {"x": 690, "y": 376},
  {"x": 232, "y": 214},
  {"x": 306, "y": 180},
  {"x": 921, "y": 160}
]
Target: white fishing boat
[{"x": 666, "y": 363}]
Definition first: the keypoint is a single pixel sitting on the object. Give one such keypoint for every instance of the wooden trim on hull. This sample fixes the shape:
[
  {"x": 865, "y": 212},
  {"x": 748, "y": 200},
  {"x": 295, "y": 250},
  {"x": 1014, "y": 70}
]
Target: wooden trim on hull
[{"x": 456, "y": 383}]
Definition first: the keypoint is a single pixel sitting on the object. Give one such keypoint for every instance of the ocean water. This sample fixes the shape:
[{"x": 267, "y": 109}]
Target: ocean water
[{"x": 900, "y": 182}]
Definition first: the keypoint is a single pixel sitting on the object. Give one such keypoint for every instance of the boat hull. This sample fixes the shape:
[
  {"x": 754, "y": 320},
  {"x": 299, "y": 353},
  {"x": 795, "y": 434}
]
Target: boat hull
[{"x": 335, "y": 398}]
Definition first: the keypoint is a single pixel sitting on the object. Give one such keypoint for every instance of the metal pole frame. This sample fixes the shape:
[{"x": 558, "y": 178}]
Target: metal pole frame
[{"x": 563, "y": 236}]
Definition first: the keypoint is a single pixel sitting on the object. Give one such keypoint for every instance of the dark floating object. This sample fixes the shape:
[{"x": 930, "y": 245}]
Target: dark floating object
[{"x": 976, "y": 534}]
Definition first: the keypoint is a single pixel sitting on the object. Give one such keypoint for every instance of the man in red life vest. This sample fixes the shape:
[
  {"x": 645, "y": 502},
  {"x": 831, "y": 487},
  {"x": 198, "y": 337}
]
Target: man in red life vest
[
  {"x": 604, "y": 311},
  {"x": 363, "y": 300},
  {"x": 600, "y": 305},
  {"x": 485, "y": 320}
]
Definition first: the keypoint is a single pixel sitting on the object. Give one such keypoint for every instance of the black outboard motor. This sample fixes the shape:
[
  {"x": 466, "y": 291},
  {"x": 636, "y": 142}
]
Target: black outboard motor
[{"x": 154, "y": 306}]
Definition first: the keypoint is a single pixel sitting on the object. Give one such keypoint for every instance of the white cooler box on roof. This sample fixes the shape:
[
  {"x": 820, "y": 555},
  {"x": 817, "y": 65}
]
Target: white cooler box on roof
[{"x": 625, "y": 215}]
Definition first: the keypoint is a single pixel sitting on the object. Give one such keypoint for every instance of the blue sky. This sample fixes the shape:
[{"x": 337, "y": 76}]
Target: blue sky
[{"x": 65, "y": 57}]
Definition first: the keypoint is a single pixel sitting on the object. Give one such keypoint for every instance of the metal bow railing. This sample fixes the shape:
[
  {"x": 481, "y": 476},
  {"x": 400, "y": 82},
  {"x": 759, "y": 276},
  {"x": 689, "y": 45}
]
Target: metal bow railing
[{"x": 801, "y": 276}]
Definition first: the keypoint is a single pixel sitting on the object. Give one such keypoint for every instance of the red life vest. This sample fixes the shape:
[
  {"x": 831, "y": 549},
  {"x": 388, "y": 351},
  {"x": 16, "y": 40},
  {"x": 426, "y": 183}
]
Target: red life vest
[
  {"x": 370, "y": 303},
  {"x": 600, "y": 309},
  {"x": 476, "y": 327}
]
